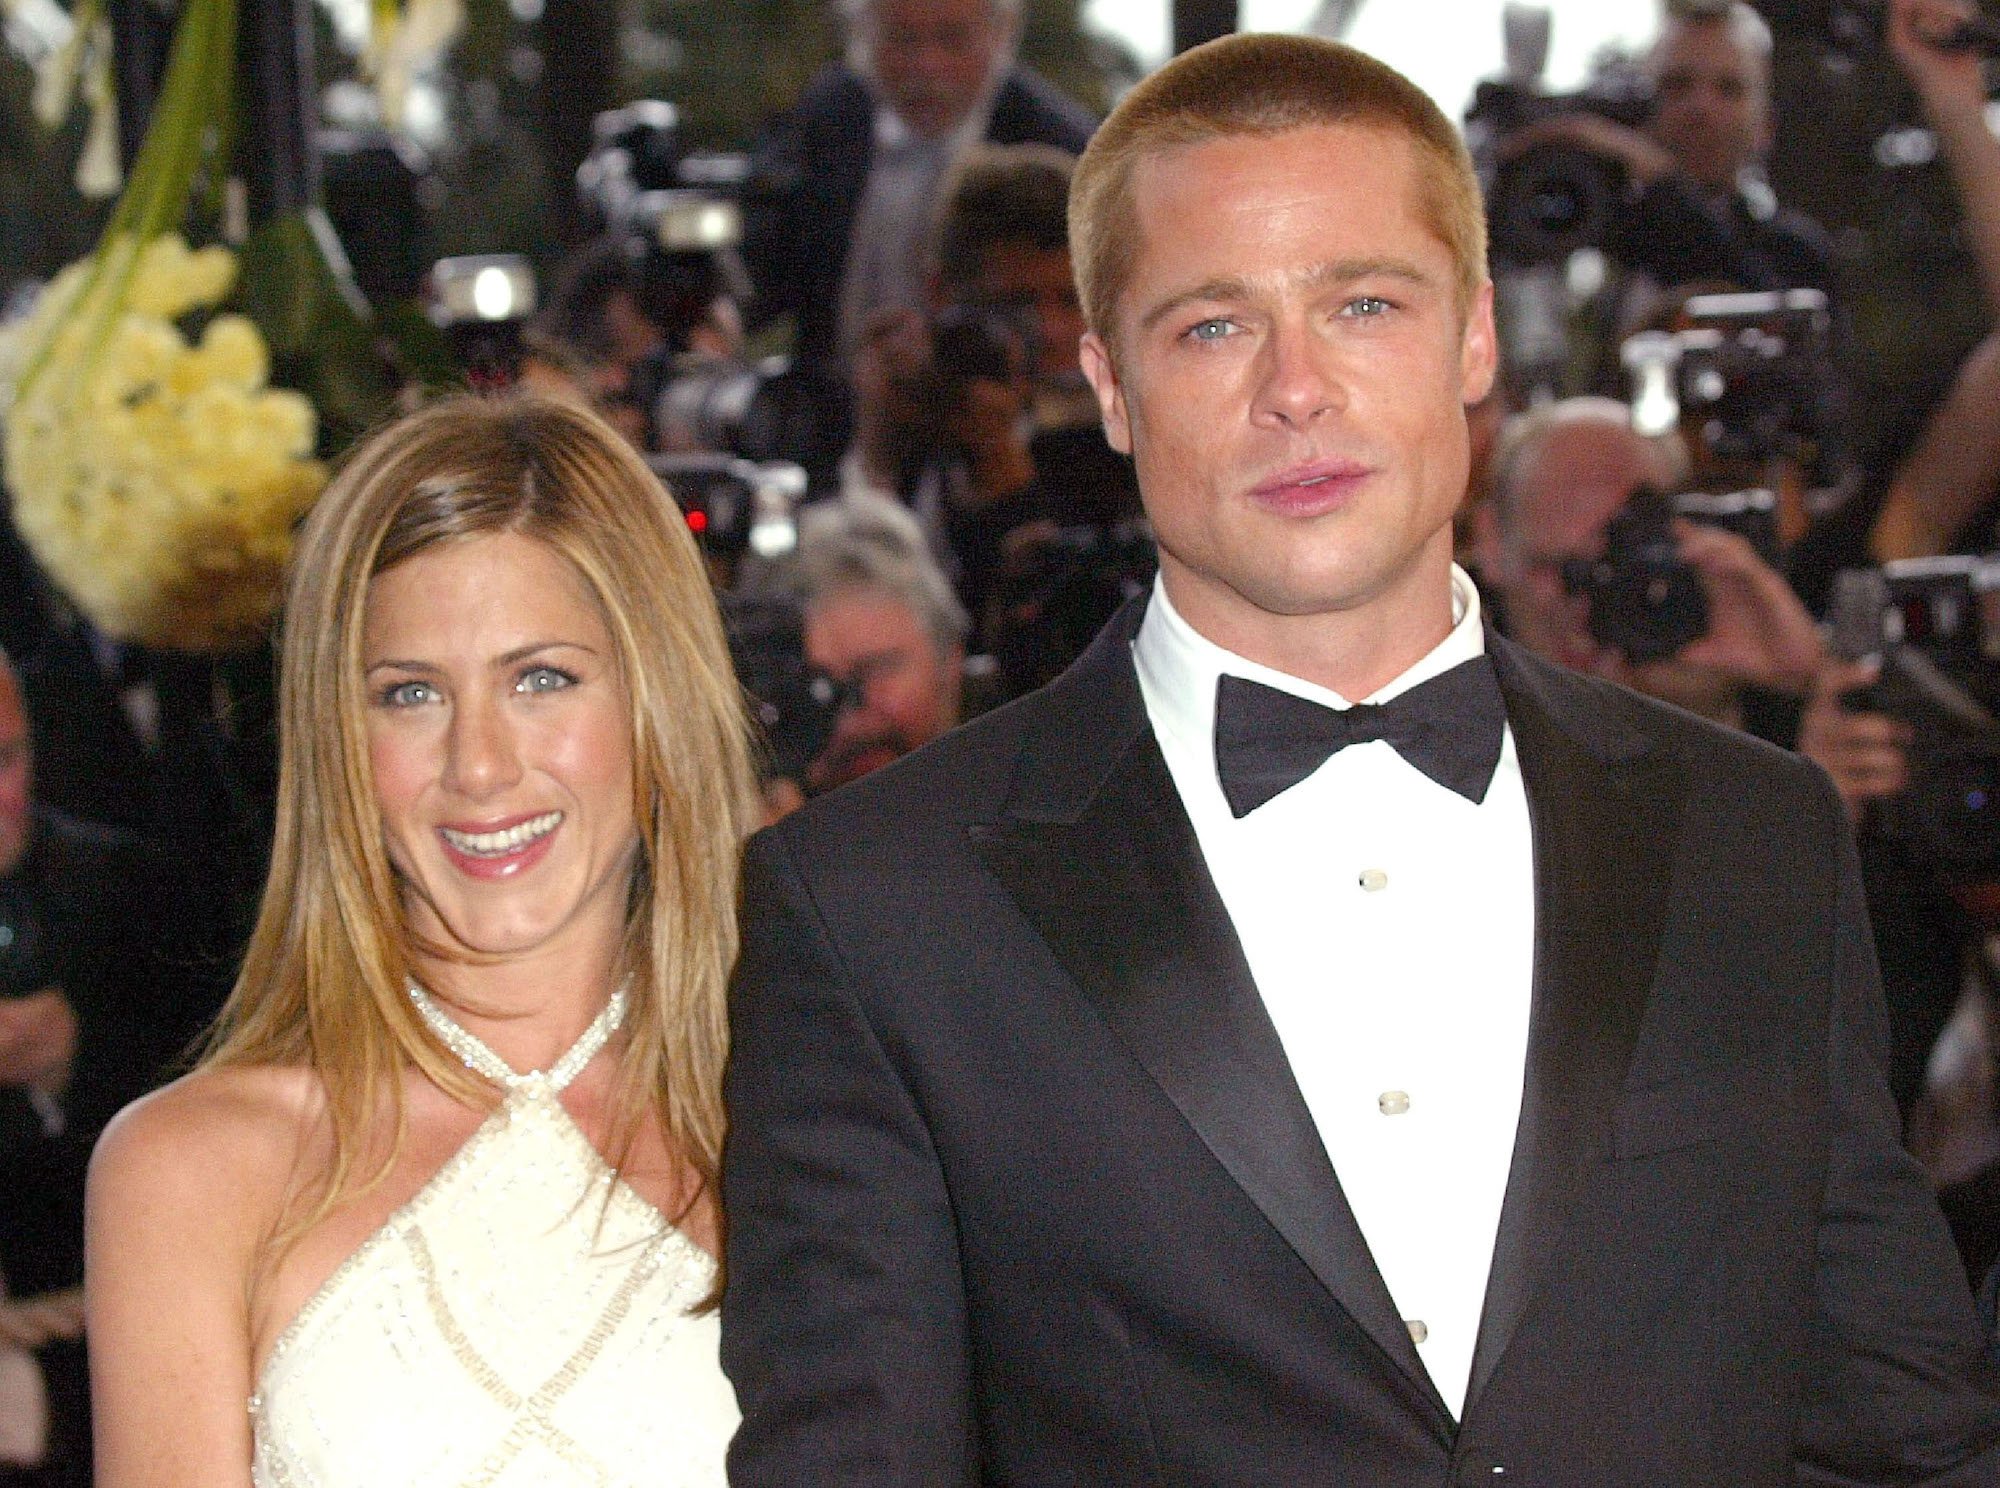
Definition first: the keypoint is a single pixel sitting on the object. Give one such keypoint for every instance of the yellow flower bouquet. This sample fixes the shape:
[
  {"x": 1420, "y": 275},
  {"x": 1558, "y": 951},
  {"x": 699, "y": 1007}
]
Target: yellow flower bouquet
[{"x": 156, "y": 478}]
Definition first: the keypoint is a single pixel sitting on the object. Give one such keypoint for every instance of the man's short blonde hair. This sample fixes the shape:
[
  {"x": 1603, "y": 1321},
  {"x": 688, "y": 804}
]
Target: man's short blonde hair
[{"x": 1261, "y": 86}]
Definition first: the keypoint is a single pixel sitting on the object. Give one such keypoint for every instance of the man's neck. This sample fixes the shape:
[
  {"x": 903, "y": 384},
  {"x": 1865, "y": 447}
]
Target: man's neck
[{"x": 1354, "y": 651}]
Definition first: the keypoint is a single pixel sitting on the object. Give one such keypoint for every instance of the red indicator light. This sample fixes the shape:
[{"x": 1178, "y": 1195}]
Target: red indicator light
[{"x": 697, "y": 521}]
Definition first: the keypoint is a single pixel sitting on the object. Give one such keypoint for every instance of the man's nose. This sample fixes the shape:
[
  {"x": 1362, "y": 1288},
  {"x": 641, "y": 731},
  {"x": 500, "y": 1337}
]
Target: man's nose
[{"x": 1299, "y": 378}]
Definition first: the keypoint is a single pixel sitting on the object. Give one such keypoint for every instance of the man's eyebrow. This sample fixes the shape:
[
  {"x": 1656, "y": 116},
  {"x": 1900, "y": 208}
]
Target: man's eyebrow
[
  {"x": 1347, "y": 270},
  {"x": 1319, "y": 276},
  {"x": 1208, "y": 290}
]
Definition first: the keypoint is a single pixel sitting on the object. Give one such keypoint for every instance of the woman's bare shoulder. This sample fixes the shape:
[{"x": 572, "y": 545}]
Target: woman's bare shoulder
[{"x": 224, "y": 1131}]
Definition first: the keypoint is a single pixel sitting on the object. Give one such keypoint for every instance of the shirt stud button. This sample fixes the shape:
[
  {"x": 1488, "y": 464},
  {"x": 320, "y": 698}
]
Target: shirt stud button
[
  {"x": 1374, "y": 880},
  {"x": 1418, "y": 1332},
  {"x": 1393, "y": 1102}
]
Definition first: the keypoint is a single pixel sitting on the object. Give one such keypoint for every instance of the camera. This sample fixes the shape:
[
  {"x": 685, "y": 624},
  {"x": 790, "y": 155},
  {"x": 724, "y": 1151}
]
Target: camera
[
  {"x": 1551, "y": 199},
  {"x": 1059, "y": 594},
  {"x": 1933, "y": 625},
  {"x": 1646, "y": 602},
  {"x": 773, "y": 410},
  {"x": 735, "y": 508},
  {"x": 976, "y": 341},
  {"x": 482, "y": 303},
  {"x": 1750, "y": 375},
  {"x": 679, "y": 214},
  {"x": 641, "y": 177},
  {"x": 968, "y": 343},
  {"x": 795, "y": 704}
]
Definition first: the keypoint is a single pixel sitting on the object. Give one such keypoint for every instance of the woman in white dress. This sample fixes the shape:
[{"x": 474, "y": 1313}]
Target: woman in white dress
[{"x": 439, "y": 1208}]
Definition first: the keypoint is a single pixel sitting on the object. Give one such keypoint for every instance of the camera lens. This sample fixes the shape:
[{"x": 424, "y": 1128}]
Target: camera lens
[{"x": 1551, "y": 201}]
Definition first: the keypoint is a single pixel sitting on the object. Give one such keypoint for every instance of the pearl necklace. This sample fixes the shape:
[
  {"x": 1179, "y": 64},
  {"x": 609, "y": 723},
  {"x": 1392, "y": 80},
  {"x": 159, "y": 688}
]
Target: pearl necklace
[{"x": 481, "y": 1060}]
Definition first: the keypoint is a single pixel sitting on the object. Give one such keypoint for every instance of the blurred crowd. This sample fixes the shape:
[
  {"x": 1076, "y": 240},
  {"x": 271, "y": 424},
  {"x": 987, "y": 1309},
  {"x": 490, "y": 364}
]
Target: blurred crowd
[{"x": 855, "y": 367}]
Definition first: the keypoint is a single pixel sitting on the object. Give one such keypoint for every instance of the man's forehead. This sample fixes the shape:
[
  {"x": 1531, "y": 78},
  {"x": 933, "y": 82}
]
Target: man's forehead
[
  {"x": 860, "y": 608},
  {"x": 1162, "y": 180},
  {"x": 1344, "y": 140},
  {"x": 1008, "y": 265},
  {"x": 1694, "y": 45},
  {"x": 929, "y": 15},
  {"x": 1582, "y": 474}
]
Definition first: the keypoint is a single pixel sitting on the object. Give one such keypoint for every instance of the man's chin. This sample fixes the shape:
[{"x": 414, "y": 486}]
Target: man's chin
[{"x": 928, "y": 119}]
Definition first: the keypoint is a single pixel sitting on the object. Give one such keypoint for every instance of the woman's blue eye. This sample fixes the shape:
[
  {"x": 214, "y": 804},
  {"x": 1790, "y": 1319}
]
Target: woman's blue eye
[
  {"x": 544, "y": 679},
  {"x": 407, "y": 694}
]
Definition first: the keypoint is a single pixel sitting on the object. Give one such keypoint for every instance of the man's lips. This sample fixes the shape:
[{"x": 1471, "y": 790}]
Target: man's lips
[{"x": 1311, "y": 488}]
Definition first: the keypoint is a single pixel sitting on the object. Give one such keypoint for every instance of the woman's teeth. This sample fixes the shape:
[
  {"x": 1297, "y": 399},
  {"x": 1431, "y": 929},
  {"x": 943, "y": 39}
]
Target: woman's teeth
[{"x": 499, "y": 844}]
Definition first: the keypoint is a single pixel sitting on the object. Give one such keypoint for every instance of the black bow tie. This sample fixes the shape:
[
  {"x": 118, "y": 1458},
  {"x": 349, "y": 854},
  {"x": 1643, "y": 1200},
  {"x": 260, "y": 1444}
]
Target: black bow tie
[{"x": 1267, "y": 741}]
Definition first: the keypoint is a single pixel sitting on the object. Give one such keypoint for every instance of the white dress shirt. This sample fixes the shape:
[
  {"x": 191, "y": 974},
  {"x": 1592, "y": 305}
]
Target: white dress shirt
[
  {"x": 892, "y": 224},
  {"x": 1389, "y": 924}
]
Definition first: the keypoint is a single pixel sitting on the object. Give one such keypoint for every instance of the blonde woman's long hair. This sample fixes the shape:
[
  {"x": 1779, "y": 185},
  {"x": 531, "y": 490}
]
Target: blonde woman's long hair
[{"x": 324, "y": 981}]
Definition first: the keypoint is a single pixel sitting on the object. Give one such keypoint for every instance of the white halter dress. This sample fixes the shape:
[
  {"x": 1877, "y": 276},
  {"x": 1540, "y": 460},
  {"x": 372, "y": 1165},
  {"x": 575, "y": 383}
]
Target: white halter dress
[{"x": 522, "y": 1320}]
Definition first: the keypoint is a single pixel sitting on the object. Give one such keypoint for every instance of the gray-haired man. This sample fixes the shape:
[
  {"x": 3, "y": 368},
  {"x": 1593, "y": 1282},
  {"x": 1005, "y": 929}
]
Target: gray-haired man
[{"x": 845, "y": 183}]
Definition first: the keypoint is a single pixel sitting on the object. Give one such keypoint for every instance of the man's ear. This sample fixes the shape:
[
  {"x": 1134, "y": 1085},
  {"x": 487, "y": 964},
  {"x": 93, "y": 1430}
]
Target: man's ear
[
  {"x": 1479, "y": 349},
  {"x": 1102, "y": 373}
]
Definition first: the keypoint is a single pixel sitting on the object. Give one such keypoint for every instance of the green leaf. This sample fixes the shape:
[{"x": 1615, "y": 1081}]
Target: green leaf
[{"x": 321, "y": 334}]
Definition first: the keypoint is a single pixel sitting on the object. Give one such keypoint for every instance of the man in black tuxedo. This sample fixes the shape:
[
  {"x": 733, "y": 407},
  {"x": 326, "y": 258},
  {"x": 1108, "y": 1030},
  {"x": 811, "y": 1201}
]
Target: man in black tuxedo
[{"x": 1138, "y": 1086}]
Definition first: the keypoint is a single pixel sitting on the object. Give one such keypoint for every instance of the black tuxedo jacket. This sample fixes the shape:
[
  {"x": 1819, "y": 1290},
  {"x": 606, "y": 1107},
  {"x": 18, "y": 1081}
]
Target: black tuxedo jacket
[
  {"x": 808, "y": 171},
  {"x": 1020, "y": 1188}
]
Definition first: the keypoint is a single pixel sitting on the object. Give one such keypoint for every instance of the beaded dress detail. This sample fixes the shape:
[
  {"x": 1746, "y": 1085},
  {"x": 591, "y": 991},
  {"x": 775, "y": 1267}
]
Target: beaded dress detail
[{"x": 522, "y": 1320}]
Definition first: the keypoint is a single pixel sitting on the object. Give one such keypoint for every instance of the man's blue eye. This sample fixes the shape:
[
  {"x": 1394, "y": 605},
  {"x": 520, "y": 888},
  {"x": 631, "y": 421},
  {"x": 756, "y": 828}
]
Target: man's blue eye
[
  {"x": 1367, "y": 305},
  {"x": 1209, "y": 330}
]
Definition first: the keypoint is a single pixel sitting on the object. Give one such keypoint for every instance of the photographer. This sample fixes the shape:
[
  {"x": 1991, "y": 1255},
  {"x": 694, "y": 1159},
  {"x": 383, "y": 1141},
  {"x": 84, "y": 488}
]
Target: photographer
[
  {"x": 622, "y": 310},
  {"x": 978, "y": 416},
  {"x": 1943, "y": 495},
  {"x": 110, "y": 962},
  {"x": 1696, "y": 208},
  {"x": 844, "y": 185},
  {"x": 1562, "y": 474},
  {"x": 881, "y": 622},
  {"x": 1934, "y": 490}
]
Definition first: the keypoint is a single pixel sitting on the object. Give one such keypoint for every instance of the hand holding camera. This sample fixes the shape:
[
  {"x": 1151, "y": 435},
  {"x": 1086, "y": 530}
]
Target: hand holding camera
[
  {"x": 1696, "y": 596},
  {"x": 1642, "y": 160},
  {"x": 1759, "y": 632},
  {"x": 1867, "y": 754},
  {"x": 889, "y": 358},
  {"x": 982, "y": 386}
]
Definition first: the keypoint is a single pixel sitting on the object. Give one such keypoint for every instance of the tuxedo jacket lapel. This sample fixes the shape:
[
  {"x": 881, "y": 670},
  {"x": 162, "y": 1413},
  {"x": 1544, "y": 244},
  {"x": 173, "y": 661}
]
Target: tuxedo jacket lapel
[
  {"x": 1604, "y": 806},
  {"x": 1097, "y": 851}
]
